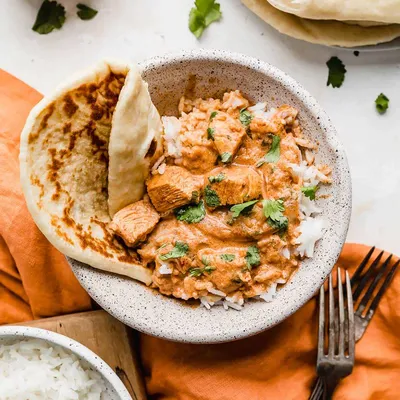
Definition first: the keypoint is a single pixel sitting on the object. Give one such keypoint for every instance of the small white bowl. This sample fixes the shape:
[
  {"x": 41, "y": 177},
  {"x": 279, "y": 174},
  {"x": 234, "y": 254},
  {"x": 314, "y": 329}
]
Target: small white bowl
[
  {"x": 115, "y": 389},
  {"x": 207, "y": 73}
]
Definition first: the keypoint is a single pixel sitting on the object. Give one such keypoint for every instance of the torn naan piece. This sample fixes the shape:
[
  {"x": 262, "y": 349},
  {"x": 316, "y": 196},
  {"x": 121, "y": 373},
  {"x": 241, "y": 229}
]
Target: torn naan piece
[{"x": 65, "y": 155}]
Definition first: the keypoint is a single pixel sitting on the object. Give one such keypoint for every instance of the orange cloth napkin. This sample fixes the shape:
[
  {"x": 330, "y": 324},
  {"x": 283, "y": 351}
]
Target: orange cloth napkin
[{"x": 35, "y": 282}]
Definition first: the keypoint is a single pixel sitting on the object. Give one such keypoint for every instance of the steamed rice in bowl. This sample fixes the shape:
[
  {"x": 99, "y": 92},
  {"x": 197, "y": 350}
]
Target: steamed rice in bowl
[{"x": 36, "y": 369}]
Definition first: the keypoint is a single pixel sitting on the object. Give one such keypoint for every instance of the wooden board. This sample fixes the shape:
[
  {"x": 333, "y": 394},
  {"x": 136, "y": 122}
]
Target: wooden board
[{"x": 105, "y": 336}]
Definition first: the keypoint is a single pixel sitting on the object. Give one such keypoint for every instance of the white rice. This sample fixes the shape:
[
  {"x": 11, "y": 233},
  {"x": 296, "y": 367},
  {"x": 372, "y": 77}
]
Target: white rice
[
  {"x": 228, "y": 304},
  {"x": 161, "y": 169},
  {"x": 165, "y": 269},
  {"x": 34, "y": 369},
  {"x": 311, "y": 230},
  {"x": 217, "y": 292},
  {"x": 310, "y": 174},
  {"x": 259, "y": 111},
  {"x": 308, "y": 207},
  {"x": 286, "y": 253},
  {"x": 172, "y": 127}
]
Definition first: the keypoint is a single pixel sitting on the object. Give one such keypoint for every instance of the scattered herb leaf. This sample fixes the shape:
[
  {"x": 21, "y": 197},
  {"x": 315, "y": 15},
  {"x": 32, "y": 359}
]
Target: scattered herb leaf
[
  {"x": 195, "y": 196},
  {"x": 202, "y": 15},
  {"x": 191, "y": 213},
  {"x": 337, "y": 72},
  {"x": 274, "y": 152},
  {"x": 210, "y": 133},
  {"x": 243, "y": 207},
  {"x": 51, "y": 15},
  {"x": 226, "y": 157},
  {"x": 245, "y": 117},
  {"x": 85, "y": 12},
  {"x": 196, "y": 272},
  {"x": 227, "y": 257},
  {"x": 211, "y": 196},
  {"x": 252, "y": 257},
  {"x": 273, "y": 211},
  {"x": 179, "y": 250},
  {"x": 216, "y": 178},
  {"x": 213, "y": 115},
  {"x": 382, "y": 103},
  {"x": 309, "y": 191}
]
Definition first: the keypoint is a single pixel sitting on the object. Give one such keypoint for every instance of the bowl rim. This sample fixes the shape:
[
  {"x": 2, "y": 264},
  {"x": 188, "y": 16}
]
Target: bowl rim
[
  {"x": 313, "y": 107},
  {"x": 84, "y": 353}
]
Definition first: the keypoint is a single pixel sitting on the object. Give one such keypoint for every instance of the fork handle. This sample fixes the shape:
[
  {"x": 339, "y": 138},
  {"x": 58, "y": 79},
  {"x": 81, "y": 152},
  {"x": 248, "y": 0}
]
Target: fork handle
[{"x": 329, "y": 387}]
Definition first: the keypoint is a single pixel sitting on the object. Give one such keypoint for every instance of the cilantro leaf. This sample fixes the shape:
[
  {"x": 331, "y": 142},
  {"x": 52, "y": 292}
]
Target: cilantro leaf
[
  {"x": 85, "y": 12},
  {"x": 202, "y": 15},
  {"x": 227, "y": 257},
  {"x": 309, "y": 191},
  {"x": 196, "y": 272},
  {"x": 238, "y": 208},
  {"x": 252, "y": 257},
  {"x": 217, "y": 178},
  {"x": 245, "y": 117},
  {"x": 382, "y": 103},
  {"x": 51, "y": 15},
  {"x": 191, "y": 213},
  {"x": 274, "y": 152},
  {"x": 179, "y": 250},
  {"x": 337, "y": 71},
  {"x": 211, "y": 196},
  {"x": 210, "y": 133},
  {"x": 273, "y": 211},
  {"x": 213, "y": 115},
  {"x": 226, "y": 157}
]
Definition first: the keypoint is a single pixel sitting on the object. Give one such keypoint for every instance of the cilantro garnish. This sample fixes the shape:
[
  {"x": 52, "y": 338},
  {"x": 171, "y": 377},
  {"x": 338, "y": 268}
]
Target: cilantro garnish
[
  {"x": 382, "y": 103},
  {"x": 191, "y": 213},
  {"x": 210, "y": 133},
  {"x": 202, "y": 15},
  {"x": 217, "y": 178},
  {"x": 337, "y": 71},
  {"x": 227, "y": 257},
  {"x": 274, "y": 152},
  {"x": 196, "y": 272},
  {"x": 226, "y": 157},
  {"x": 213, "y": 115},
  {"x": 252, "y": 257},
  {"x": 273, "y": 211},
  {"x": 243, "y": 207},
  {"x": 211, "y": 196},
  {"x": 179, "y": 250},
  {"x": 309, "y": 191},
  {"x": 245, "y": 117},
  {"x": 85, "y": 12},
  {"x": 51, "y": 15}
]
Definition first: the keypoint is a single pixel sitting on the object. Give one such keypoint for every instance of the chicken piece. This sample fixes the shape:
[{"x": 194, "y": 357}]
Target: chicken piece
[
  {"x": 198, "y": 159},
  {"x": 261, "y": 127},
  {"x": 234, "y": 100},
  {"x": 234, "y": 184},
  {"x": 134, "y": 222},
  {"x": 174, "y": 188},
  {"x": 226, "y": 267},
  {"x": 227, "y": 133},
  {"x": 287, "y": 113}
]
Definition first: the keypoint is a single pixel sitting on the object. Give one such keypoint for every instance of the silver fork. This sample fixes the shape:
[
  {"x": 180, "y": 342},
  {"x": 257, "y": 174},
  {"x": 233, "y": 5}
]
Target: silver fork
[
  {"x": 359, "y": 281},
  {"x": 338, "y": 362}
]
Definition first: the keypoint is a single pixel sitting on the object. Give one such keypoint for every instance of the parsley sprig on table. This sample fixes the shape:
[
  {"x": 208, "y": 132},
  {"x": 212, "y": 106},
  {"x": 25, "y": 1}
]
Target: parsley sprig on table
[
  {"x": 85, "y": 12},
  {"x": 202, "y": 15},
  {"x": 337, "y": 72},
  {"x": 381, "y": 103},
  {"x": 51, "y": 15}
]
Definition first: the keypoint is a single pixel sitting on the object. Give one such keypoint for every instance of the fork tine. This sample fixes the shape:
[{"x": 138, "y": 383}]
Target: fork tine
[
  {"x": 350, "y": 316},
  {"x": 361, "y": 267},
  {"x": 341, "y": 312},
  {"x": 383, "y": 288},
  {"x": 331, "y": 345},
  {"x": 374, "y": 284},
  {"x": 321, "y": 322},
  {"x": 367, "y": 277}
]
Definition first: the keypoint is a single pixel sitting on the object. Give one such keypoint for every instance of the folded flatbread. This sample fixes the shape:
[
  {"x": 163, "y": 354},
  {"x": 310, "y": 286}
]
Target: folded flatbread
[
  {"x": 384, "y": 11},
  {"x": 328, "y": 32},
  {"x": 85, "y": 151}
]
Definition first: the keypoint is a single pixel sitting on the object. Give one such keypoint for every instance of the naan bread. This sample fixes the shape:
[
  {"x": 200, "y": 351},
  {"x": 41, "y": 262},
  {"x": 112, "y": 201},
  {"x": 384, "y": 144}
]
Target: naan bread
[
  {"x": 65, "y": 160},
  {"x": 332, "y": 33},
  {"x": 386, "y": 11},
  {"x": 135, "y": 142}
]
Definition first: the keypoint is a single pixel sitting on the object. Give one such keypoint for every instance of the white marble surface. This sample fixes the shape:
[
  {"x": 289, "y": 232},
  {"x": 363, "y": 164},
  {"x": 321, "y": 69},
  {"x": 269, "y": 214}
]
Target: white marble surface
[{"x": 137, "y": 29}]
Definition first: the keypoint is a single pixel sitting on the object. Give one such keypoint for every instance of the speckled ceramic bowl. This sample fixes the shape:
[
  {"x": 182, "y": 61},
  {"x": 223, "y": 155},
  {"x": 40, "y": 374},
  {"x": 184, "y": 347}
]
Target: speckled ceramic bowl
[
  {"x": 206, "y": 73},
  {"x": 115, "y": 389}
]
